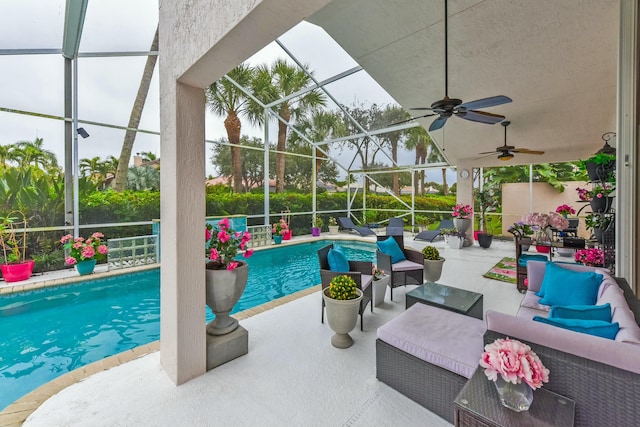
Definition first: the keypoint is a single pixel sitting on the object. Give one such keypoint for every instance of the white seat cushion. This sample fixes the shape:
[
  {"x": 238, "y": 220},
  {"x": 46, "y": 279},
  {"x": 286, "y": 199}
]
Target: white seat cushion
[{"x": 406, "y": 265}]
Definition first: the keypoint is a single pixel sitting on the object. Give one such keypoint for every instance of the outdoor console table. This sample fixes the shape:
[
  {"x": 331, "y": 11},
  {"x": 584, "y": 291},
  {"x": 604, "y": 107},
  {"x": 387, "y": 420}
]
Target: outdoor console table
[
  {"x": 448, "y": 298},
  {"x": 478, "y": 405}
]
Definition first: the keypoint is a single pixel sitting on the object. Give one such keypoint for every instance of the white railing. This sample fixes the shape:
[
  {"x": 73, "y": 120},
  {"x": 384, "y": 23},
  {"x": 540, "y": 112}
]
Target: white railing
[
  {"x": 132, "y": 251},
  {"x": 260, "y": 235}
]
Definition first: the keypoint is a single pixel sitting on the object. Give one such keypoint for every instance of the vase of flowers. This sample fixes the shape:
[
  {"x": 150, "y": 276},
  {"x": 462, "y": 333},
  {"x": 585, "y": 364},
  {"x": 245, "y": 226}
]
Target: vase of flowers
[
  {"x": 516, "y": 371},
  {"x": 316, "y": 226},
  {"x": 342, "y": 299},
  {"x": 593, "y": 257},
  {"x": 462, "y": 217},
  {"x": 13, "y": 240},
  {"x": 565, "y": 210},
  {"x": 226, "y": 276},
  {"x": 84, "y": 253},
  {"x": 380, "y": 282},
  {"x": 333, "y": 226},
  {"x": 278, "y": 230},
  {"x": 542, "y": 224}
]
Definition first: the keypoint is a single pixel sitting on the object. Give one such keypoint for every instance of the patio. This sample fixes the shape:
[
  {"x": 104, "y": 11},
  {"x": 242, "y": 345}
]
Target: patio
[{"x": 291, "y": 375}]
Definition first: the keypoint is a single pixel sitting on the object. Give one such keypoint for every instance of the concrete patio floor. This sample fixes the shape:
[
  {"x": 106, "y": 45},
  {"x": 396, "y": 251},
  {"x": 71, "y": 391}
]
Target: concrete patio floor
[{"x": 291, "y": 375}]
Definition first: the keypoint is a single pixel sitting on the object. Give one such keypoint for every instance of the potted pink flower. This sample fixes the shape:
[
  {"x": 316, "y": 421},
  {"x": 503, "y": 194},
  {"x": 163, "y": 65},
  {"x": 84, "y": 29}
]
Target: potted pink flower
[
  {"x": 462, "y": 217},
  {"x": 565, "y": 210},
  {"x": 84, "y": 253},
  {"x": 593, "y": 257},
  {"x": 278, "y": 230},
  {"x": 516, "y": 371}
]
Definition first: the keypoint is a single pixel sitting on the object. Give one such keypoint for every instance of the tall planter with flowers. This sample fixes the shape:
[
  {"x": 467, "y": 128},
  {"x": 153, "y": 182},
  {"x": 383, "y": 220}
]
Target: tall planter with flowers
[
  {"x": 342, "y": 299},
  {"x": 84, "y": 253},
  {"x": 462, "y": 220},
  {"x": 515, "y": 370},
  {"x": 380, "y": 283},
  {"x": 226, "y": 277},
  {"x": 13, "y": 240},
  {"x": 599, "y": 197}
]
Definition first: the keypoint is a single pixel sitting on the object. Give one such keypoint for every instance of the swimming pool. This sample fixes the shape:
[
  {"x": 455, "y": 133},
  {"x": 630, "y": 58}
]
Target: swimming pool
[{"x": 49, "y": 332}]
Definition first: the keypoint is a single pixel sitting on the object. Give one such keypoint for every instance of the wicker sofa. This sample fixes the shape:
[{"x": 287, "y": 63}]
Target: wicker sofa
[{"x": 602, "y": 376}]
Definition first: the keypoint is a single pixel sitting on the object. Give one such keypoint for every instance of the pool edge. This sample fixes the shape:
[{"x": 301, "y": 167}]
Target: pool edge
[{"x": 17, "y": 413}]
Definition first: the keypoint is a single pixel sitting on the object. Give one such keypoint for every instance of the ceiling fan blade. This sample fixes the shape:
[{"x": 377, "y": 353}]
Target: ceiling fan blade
[
  {"x": 438, "y": 123},
  {"x": 421, "y": 108},
  {"x": 486, "y": 102},
  {"x": 527, "y": 151},
  {"x": 480, "y": 116},
  {"x": 491, "y": 152},
  {"x": 413, "y": 118}
]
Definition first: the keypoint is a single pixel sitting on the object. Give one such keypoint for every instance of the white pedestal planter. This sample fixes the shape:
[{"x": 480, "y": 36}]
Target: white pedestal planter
[
  {"x": 342, "y": 316},
  {"x": 380, "y": 290},
  {"x": 456, "y": 242},
  {"x": 333, "y": 229}
]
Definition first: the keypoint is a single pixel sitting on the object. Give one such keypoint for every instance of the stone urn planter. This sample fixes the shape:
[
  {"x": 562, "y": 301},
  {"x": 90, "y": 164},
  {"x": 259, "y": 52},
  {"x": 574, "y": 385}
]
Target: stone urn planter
[
  {"x": 433, "y": 263},
  {"x": 462, "y": 224},
  {"x": 342, "y": 299},
  {"x": 223, "y": 290},
  {"x": 380, "y": 289}
]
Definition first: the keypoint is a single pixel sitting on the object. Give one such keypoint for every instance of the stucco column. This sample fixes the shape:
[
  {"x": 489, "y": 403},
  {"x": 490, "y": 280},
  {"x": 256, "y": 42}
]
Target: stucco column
[
  {"x": 182, "y": 210},
  {"x": 464, "y": 190}
]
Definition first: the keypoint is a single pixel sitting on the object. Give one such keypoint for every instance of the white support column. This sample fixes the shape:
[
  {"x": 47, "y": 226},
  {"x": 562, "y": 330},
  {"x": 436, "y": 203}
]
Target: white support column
[
  {"x": 266, "y": 169},
  {"x": 627, "y": 154},
  {"x": 465, "y": 190},
  {"x": 182, "y": 209}
]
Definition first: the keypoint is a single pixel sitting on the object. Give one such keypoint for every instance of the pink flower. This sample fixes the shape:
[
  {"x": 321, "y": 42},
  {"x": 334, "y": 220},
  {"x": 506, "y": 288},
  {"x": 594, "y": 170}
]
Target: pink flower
[
  {"x": 248, "y": 253},
  {"x": 223, "y": 236},
  {"x": 97, "y": 235},
  {"x": 246, "y": 236},
  {"x": 213, "y": 254},
  {"x": 103, "y": 249},
  {"x": 88, "y": 252},
  {"x": 232, "y": 265},
  {"x": 66, "y": 238},
  {"x": 207, "y": 234},
  {"x": 514, "y": 362},
  {"x": 70, "y": 260},
  {"x": 224, "y": 224}
]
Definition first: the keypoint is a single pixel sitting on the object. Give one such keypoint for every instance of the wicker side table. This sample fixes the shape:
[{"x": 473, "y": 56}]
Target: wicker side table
[{"x": 478, "y": 405}]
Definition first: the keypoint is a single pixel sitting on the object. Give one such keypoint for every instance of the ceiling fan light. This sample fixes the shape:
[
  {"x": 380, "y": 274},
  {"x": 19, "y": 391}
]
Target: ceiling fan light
[{"x": 505, "y": 156}]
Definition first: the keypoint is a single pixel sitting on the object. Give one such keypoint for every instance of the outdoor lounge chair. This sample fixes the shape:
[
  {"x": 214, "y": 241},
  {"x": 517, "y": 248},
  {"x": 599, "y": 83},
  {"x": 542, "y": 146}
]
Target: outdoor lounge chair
[
  {"x": 406, "y": 272},
  {"x": 395, "y": 227},
  {"x": 359, "y": 271},
  {"x": 431, "y": 235},
  {"x": 345, "y": 223}
]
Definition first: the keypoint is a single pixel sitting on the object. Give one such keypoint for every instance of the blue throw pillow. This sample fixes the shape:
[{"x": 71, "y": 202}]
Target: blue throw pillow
[
  {"x": 583, "y": 312},
  {"x": 337, "y": 247},
  {"x": 337, "y": 261},
  {"x": 598, "y": 328},
  {"x": 522, "y": 259},
  {"x": 561, "y": 286},
  {"x": 391, "y": 248}
]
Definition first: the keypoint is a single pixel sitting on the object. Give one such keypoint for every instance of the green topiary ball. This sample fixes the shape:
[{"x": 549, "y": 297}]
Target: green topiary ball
[
  {"x": 431, "y": 253},
  {"x": 343, "y": 288}
]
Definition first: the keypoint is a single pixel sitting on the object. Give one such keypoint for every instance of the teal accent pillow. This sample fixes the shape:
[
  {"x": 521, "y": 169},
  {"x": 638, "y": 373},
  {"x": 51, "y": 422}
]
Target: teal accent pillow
[
  {"x": 391, "y": 247},
  {"x": 337, "y": 261},
  {"x": 522, "y": 259},
  {"x": 598, "y": 328},
  {"x": 567, "y": 287},
  {"x": 337, "y": 247},
  {"x": 583, "y": 312}
]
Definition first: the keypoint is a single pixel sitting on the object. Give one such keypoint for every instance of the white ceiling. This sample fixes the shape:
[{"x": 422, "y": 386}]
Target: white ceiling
[{"x": 557, "y": 60}]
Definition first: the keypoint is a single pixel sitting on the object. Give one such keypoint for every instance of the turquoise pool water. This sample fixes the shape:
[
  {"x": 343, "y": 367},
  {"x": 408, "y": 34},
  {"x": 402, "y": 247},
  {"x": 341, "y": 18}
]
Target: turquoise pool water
[{"x": 49, "y": 332}]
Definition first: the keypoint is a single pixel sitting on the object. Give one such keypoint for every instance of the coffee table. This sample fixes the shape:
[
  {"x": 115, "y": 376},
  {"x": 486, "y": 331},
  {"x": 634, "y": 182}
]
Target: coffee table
[
  {"x": 478, "y": 405},
  {"x": 448, "y": 298}
]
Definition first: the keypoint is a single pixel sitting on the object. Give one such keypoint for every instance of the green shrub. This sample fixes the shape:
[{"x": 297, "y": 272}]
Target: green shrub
[
  {"x": 343, "y": 288},
  {"x": 431, "y": 253}
]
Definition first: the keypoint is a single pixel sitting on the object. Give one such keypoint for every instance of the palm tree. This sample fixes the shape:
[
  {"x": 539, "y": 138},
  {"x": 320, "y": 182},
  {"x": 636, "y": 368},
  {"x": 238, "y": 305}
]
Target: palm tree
[
  {"x": 393, "y": 114},
  {"x": 90, "y": 168},
  {"x": 286, "y": 79},
  {"x": 225, "y": 99},
  {"x": 134, "y": 118},
  {"x": 33, "y": 153},
  {"x": 418, "y": 139}
]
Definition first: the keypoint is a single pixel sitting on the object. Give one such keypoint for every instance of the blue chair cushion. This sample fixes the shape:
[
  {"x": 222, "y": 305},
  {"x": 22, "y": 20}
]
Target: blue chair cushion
[
  {"x": 390, "y": 247},
  {"x": 582, "y": 312},
  {"x": 337, "y": 261},
  {"x": 561, "y": 286},
  {"x": 598, "y": 328},
  {"x": 522, "y": 259}
]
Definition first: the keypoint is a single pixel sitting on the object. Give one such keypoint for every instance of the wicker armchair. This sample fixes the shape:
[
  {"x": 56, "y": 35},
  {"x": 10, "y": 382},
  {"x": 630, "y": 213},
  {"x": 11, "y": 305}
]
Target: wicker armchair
[
  {"x": 359, "y": 271},
  {"x": 407, "y": 272}
]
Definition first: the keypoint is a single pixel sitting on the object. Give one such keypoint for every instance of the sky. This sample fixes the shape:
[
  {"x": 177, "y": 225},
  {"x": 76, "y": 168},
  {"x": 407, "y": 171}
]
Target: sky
[{"x": 107, "y": 86}]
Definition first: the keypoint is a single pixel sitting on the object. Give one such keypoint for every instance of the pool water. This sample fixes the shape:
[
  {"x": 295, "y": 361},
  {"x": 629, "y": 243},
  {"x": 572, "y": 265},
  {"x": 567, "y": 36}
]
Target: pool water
[{"x": 47, "y": 333}]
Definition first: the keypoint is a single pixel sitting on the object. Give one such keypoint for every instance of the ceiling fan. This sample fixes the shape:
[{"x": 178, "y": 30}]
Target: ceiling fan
[
  {"x": 448, "y": 107},
  {"x": 506, "y": 151}
]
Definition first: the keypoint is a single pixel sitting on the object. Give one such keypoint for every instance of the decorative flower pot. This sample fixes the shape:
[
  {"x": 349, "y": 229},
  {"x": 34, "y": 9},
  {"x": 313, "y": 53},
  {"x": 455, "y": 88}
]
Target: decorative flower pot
[
  {"x": 543, "y": 249},
  {"x": 433, "y": 269},
  {"x": 85, "y": 267},
  {"x": 223, "y": 290},
  {"x": 277, "y": 239},
  {"x": 475, "y": 234},
  {"x": 287, "y": 235},
  {"x": 333, "y": 229},
  {"x": 602, "y": 204},
  {"x": 484, "y": 240},
  {"x": 462, "y": 225},
  {"x": 599, "y": 172},
  {"x": 456, "y": 242},
  {"x": 315, "y": 231},
  {"x": 517, "y": 397},
  {"x": 380, "y": 289},
  {"x": 342, "y": 316},
  {"x": 17, "y": 272}
]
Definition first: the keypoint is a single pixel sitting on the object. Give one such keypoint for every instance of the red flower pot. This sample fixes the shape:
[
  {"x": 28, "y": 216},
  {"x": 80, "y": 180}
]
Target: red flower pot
[
  {"x": 475, "y": 234},
  {"x": 17, "y": 272},
  {"x": 543, "y": 249},
  {"x": 287, "y": 235}
]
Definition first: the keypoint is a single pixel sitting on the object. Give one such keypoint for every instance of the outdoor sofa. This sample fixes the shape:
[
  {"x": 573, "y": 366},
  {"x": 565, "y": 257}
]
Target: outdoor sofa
[{"x": 415, "y": 356}]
